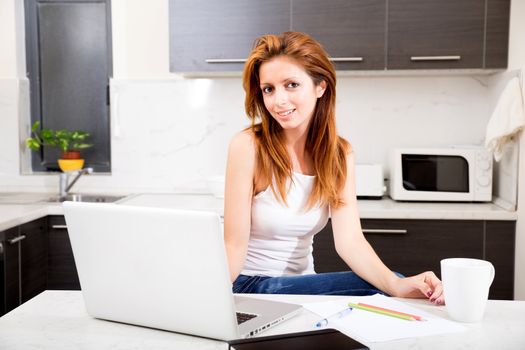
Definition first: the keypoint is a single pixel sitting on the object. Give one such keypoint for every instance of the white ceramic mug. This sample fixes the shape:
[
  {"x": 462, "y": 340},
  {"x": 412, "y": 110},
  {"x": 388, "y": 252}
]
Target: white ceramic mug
[{"x": 466, "y": 285}]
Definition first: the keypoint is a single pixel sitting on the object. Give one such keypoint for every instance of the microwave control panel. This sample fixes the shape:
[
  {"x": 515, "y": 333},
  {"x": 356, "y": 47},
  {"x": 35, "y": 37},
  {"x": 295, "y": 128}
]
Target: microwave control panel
[{"x": 483, "y": 183}]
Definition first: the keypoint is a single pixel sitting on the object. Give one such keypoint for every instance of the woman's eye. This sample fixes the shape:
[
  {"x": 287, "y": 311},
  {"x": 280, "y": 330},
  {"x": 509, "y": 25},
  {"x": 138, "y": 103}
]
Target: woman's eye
[
  {"x": 267, "y": 90},
  {"x": 293, "y": 85}
]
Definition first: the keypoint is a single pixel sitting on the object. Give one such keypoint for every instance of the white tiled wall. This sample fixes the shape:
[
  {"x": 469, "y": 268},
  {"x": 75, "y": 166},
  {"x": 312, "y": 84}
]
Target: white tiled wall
[{"x": 171, "y": 134}]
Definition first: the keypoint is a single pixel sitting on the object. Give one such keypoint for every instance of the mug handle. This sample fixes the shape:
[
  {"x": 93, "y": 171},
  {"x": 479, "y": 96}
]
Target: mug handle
[{"x": 492, "y": 273}]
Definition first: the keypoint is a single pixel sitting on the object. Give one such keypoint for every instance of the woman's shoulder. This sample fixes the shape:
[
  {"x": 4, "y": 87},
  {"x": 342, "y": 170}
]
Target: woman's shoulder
[
  {"x": 242, "y": 145},
  {"x": 245, "y": 137},
  {"x": 243, "y": 140}
]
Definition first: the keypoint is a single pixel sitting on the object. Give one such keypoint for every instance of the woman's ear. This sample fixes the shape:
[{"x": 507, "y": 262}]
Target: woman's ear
[{"x": 320, "y": 88}]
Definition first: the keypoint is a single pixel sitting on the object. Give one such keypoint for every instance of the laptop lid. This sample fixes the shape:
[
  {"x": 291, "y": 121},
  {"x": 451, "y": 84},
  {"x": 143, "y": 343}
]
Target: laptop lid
[{"x": 154, "y": 267}]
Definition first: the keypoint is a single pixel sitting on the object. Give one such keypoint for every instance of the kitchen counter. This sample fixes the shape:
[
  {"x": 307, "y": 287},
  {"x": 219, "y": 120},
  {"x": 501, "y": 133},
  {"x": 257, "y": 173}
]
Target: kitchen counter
[
  {"x": 14, "y": 211},
  {"x": 12, "y": 215},
  {"x": 58, "y": 320}
]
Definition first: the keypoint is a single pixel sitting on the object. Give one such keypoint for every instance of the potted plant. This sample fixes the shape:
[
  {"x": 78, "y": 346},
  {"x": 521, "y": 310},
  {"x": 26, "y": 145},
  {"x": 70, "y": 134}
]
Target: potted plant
[{"x": 69, "y": 142}]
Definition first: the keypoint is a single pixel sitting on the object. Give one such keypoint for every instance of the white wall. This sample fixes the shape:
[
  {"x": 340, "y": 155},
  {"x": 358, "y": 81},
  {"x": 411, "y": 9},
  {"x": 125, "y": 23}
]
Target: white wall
[{"x": 12, "y": 59}]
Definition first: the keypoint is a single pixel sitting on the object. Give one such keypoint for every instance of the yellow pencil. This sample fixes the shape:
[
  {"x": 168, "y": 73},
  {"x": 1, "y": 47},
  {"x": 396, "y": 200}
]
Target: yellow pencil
[{"x": 383, "y": 312}]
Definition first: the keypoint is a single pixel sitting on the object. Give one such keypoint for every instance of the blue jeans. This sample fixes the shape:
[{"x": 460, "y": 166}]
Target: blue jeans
[{"x": 330, "y": 283}]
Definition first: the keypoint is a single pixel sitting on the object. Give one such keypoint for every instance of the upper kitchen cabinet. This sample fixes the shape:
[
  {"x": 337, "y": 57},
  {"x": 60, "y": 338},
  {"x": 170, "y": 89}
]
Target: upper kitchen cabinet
[
  {"x": 213, "y": 36},
  {"x": 435, "y": 34},
  {"x": 351, "y": 31},
  {"x": 497, "y": 34},
  {"x": 448, "y": 34},
  {"x": 218, "y": 35}
]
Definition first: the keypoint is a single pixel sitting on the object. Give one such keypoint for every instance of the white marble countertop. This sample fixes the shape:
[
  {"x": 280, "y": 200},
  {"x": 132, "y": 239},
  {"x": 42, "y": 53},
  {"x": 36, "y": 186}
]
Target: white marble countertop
[
  {"x": 57, "y": 320},
  {"x": 17, "y": 209}
]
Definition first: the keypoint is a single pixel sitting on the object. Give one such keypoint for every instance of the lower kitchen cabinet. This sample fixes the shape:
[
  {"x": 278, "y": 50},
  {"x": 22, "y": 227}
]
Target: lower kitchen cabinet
[
  {"x": 500, "y": 240},
  {"x": 23, "y": 264},
  {"x": 62, "y": 271},
  {"x": 413, "y": 246},
  {"x": 37, "y": 256}
]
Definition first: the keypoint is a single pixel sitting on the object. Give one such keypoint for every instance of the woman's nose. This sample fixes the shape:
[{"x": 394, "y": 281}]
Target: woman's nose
[{"x": 281, "y": 97}]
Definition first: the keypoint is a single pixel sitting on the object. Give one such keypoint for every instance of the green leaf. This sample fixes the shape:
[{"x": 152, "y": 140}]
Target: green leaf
[
  {"x": 63, "y": 144},
  {"x": 47, "y": 136},
  {"x": 62, "y": 134},
  {"x": 81, "y": 145},
  {"x": 79, "y": 135},
  {"x": 33, "y": 144},
  {"x": 35, "y": 127}
]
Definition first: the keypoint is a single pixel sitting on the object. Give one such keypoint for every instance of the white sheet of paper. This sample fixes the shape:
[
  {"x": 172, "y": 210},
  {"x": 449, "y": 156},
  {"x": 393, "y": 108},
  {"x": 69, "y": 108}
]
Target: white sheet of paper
[{"x": 372, "y": 327}]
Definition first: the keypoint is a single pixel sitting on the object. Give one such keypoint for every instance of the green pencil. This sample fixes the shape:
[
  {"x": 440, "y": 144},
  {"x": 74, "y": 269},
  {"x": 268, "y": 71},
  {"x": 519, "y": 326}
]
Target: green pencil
[{"x": 382, "y": 312}]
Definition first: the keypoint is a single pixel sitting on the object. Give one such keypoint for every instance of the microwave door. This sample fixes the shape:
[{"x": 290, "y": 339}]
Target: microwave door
[{"x": 435, "y": 173}]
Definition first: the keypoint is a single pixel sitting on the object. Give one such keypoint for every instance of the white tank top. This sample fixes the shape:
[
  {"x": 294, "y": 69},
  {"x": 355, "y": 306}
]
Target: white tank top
[{"x": 281, "y": 236}]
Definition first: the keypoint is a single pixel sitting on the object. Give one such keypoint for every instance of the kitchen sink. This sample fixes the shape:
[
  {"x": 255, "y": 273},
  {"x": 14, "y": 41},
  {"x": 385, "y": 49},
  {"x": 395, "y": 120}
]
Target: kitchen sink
[{"x": 78, "y": 197}]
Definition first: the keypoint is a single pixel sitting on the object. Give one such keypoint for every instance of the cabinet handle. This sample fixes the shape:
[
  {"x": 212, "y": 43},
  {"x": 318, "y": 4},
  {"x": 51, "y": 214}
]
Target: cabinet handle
[
  {"x": 435, "y": 58},
  {"x": 59, "y": 226},
  {"x": 1, "y": 248},
  {"x": 385, "y": 230},
  {"x": 17, "y": 239},
  {"x": 225, "y": 60},
  {"x": 346, "y": 59}
]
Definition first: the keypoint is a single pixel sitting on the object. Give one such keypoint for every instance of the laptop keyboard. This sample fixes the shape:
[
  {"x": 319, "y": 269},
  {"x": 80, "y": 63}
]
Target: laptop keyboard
[{"x": 243, "y": 317}]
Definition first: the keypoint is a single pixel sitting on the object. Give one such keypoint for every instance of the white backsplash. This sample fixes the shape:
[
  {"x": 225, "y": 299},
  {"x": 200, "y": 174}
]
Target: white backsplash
[{"x": 169, "y": 135}]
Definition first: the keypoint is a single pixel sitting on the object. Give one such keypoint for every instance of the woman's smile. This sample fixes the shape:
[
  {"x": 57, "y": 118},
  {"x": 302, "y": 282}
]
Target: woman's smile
[{"x": 286, "y": 114}]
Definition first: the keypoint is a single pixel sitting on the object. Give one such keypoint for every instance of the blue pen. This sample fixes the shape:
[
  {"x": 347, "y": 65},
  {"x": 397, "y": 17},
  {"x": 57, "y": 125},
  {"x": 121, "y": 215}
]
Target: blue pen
[{"x": 339, "y": 314}]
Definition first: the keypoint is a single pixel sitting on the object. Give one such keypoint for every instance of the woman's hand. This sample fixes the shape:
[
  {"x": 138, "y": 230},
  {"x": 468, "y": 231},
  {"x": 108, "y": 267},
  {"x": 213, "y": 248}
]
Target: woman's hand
[{"x": 424, "y": 285}]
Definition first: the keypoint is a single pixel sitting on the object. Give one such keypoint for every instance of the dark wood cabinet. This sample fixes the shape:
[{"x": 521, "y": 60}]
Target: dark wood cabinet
[
  {"x": 497, "y": 34},
  {"x": 500, "y": 240},
  {"x": 351, "y": 31},
  {"x": 23, "y": 264},
  {"x": 210, "y": 36},
  {"x": 435, "y": 34},
  {"x": 218, "y": 35},
  {"x": 413, "y": 246},
  {"x": 33, "y": 259},
  {"x": 9, "y": 271},
  {"x": 62, "y": 271}
]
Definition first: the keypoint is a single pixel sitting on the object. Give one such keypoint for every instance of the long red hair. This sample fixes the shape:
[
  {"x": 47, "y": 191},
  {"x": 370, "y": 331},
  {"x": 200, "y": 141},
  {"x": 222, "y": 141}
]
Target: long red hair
[{"x": 327, "y": 149}]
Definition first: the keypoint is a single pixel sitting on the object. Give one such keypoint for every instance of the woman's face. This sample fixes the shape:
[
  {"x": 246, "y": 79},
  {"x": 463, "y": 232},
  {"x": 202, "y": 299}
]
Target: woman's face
[{"x": 289, "y": 94}]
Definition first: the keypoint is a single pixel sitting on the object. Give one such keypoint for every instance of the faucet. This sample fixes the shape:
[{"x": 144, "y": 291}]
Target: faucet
[{"x": 64, "y": 185}]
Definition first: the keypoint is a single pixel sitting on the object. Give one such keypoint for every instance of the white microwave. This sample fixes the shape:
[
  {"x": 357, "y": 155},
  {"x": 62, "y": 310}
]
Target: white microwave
[{"x": 441, "y": 174}]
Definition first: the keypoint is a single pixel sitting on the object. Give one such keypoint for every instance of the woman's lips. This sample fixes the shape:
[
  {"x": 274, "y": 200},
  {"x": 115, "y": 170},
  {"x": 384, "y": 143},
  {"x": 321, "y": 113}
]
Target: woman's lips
[{"x": 284, "y": 115}]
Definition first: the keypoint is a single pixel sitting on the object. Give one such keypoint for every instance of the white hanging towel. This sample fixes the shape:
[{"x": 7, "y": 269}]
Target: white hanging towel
[{"x": 507, "y": 120}]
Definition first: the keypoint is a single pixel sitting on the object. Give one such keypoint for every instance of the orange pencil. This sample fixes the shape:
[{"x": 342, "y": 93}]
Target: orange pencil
[{"x": 419, "y": 318}]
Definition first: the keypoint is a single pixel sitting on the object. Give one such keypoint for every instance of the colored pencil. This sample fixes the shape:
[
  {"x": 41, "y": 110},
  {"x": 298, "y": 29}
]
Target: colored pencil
[
  {"x": 377, "y": 310},
  {"x": 418, "y": 318}
]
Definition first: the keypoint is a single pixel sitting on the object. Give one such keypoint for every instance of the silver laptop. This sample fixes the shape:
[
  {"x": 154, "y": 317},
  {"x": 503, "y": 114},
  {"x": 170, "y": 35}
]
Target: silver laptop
[{"x": 162, "y": 268}]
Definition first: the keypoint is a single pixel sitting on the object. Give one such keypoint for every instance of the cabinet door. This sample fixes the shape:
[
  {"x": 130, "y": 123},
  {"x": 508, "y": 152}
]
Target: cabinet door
[
  {"x": 62, "y": 271},
  {"x": 33, "y": 259},
  {"x": 10, "y": 281},
  {"x": 205, "y": 35},
  {"x": 497, "y": 41},
  {"x": 414, "y": 246},
  {"x": 500, "y": 250},
  {"x": 351, "y": 31},
  {"x": 407, "y": 246},
  {"x": 435, "y": 34}
]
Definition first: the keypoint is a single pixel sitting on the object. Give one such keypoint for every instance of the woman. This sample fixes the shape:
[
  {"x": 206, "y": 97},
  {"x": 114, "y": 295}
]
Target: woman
[{"x": 288, "y": 172}]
